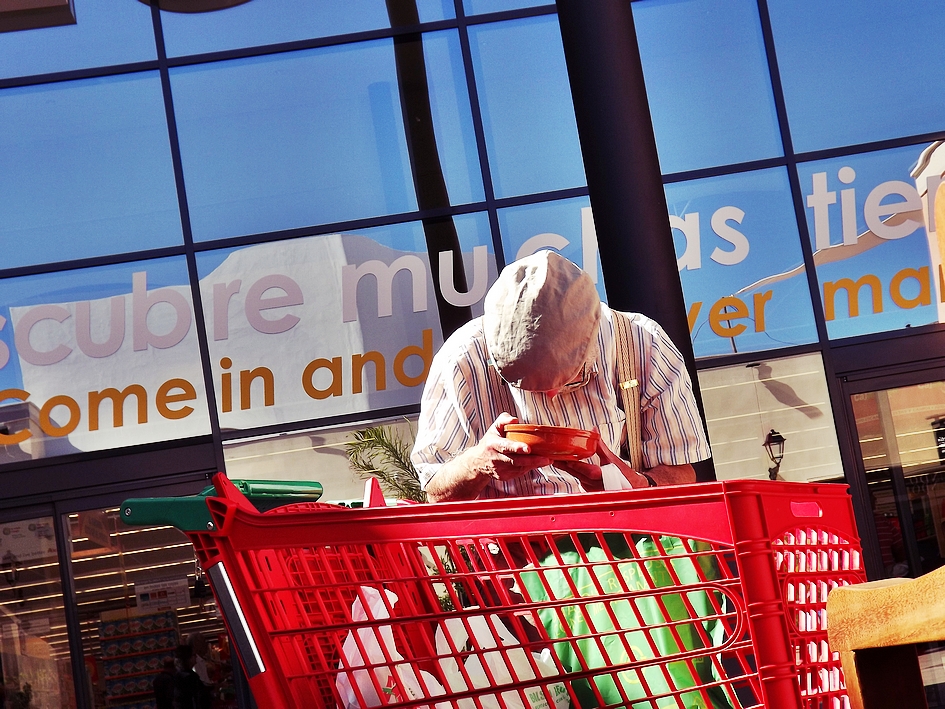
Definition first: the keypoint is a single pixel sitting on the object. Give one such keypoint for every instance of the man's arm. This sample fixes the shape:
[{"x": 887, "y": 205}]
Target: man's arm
[
  {"x": 494, "y": 457},
  {"x": 672, "y": 474},
  {"x": 668, "y": 408},
  {"x": 661, "y": 474}
]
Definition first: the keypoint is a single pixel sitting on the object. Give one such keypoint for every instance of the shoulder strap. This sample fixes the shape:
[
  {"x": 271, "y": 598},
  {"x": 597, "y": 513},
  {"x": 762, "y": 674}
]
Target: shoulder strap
[{"x": 629, "y": 382}]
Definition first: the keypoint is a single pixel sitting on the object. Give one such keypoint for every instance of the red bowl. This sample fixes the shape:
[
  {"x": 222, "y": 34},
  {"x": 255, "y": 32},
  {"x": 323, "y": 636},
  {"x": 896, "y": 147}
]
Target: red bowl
[{"x": 555, "y": 442}]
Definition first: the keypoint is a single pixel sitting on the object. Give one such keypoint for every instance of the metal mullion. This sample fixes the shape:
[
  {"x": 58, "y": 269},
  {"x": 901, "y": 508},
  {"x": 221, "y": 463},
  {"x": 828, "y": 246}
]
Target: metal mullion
[
  {"x": 355, "y": 417},
  {"x": 834, "y": 386},
  {"x": 91, "y": 262},
  {"x": 474, "y": 107},
  {"x": 307, "y": 44},
  {"x": 71, "y": 611},
  {"x": 78, "y": 74},
  {"x": 189, "y": 253},
  {"x": 502, "y": 15}
]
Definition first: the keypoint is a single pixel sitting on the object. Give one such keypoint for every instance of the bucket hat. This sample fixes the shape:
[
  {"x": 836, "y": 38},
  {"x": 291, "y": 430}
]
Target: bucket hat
[{"x": 540, "y": 319}]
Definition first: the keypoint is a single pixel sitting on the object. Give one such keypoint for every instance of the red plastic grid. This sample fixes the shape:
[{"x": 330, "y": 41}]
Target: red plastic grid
[
  {"x": 720, "y": 627},
  {"x": 812, "y": 561}
]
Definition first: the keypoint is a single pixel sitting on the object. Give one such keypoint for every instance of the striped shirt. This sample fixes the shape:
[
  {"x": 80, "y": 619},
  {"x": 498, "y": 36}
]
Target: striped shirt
[{"x": 463, "y": 396}]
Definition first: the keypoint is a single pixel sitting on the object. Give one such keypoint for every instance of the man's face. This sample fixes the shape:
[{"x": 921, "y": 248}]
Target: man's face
[{"x": 579, "y": 380}]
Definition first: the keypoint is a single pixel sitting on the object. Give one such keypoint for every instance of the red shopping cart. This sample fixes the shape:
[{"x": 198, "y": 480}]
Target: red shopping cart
[{"x": 710, "y": 595}]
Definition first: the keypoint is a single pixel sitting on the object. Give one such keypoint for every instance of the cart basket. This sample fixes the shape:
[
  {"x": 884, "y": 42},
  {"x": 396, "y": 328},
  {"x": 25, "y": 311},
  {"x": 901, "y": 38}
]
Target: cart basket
[{"x": 710, "y": 596}]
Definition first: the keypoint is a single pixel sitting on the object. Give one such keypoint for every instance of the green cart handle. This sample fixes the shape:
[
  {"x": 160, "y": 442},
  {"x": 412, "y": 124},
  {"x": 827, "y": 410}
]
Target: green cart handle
[{"x": 190, "y": 513}]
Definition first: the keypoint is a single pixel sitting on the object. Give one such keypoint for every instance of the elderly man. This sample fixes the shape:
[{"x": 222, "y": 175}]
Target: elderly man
[{"x": 544, "y": 352}]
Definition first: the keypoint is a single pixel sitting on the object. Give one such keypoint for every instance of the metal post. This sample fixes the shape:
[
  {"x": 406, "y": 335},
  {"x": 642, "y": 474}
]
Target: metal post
[{"x": 623, "y": 172}]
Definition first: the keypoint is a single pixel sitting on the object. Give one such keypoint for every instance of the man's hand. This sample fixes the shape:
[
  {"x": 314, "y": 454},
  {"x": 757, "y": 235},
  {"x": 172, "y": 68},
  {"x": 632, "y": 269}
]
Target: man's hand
[
  {"x": 494, "y": 457},
  {"x": 590, "y": 475},
  {"x": 634, "y": 477},
  {"x": 661, "y": 474}
]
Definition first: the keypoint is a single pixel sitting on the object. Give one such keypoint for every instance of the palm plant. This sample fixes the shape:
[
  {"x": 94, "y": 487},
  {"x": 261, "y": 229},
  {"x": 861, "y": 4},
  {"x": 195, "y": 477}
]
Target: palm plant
[{"x": 382, "y": 452}]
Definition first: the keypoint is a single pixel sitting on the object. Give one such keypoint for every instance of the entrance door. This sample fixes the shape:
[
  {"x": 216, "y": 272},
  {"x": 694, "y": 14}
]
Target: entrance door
[{"x": 900, "y": 433}]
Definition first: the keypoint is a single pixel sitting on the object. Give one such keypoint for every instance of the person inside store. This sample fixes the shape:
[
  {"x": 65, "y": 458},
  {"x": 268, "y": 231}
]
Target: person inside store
[
  {"x": 544, "y": 352},
  {"x": 189, "y": 691},
  {"x": 203, "y": 665},
  {"x": 164, "y": 685}
]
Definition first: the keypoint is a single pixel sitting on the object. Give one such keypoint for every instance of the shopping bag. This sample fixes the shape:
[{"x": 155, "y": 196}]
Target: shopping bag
[
  {"x": 381, "y": 675},
  {"x": 386, "y": 677},
  {"x": 510, "y": 664},
  {"x": 594, "y": 622}
]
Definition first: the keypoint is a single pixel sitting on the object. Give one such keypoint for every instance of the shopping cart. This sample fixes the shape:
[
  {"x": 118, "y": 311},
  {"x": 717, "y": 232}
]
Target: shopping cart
[{"x": 710, "y": 595}]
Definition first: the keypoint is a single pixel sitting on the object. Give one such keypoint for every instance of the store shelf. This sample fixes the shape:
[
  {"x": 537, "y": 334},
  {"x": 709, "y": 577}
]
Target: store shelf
[{"x": 133, "y": 650}]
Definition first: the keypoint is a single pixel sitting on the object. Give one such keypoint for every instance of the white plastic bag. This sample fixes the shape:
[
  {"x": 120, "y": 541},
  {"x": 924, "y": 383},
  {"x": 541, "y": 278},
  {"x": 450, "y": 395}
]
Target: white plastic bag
[
  {"x": 399, "y": 681},
  {"x": 614, "y": 479},
  {"x": 509, "y": 665},
  {"x": 404, "y": 683}
]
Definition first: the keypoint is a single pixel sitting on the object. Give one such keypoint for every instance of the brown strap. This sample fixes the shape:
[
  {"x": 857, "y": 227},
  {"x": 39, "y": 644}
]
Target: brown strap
[{"x": 628, "y": 381}]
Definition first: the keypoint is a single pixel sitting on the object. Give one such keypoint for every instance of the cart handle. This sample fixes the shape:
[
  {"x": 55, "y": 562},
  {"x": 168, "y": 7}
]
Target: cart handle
[{"x": 190, "y": 513}]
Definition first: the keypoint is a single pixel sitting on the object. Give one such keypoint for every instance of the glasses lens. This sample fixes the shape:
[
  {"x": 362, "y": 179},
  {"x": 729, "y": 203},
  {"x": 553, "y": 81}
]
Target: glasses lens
[{"x": 580, "y": 381}]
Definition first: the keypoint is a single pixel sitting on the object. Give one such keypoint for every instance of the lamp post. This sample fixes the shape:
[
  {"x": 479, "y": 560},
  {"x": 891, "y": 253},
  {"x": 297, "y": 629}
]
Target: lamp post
[{"x": 774, "y": 444}]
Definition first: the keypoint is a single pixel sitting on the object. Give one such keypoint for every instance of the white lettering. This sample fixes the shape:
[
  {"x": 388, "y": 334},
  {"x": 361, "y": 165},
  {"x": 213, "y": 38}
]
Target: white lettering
[
  {"x": 384, "y": 277},
  {"x": 874, "y": 210},
  {"x": 222, "y": 294},
  {"x": 589, "y": 242},
  {"x": 691, "y": 259},
  {"x": 720, "y": 226},
  {"x": 820, "y": 200},
  {"x": 25, "y": 326},
  {"x": 116, "y": 328},
  {"x": 255, "y": 304},
  {"x": 4, "y": 350},
  {"x": 141, "y": 303},
  {"x": 848, "y": 206},
  {"x": 480, "y": 278}
]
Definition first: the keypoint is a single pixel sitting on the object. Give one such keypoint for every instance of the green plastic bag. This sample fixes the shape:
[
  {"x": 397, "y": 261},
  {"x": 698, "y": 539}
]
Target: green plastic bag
[{"x": 594, "y": 622}]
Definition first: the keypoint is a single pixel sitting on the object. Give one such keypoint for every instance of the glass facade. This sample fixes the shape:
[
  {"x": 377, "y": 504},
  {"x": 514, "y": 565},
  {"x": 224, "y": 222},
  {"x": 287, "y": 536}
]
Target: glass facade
[
  {"x": 87, "y": 170},
  {"x": 253, "y": 227},
  {"x": 34, "y": 646}
]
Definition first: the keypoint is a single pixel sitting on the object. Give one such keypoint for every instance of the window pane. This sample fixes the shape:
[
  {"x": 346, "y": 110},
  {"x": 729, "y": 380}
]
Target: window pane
[
  {"x": 139, "y": 594},
  {"x": 105, "y": 32},
  {"x": 99, "y": 358},
  {"x": 331, "y": 325},
  {"x": 87, "y": 170},
  {"x": 481, "y": 7},
  {"x": 858, "y": 72},
  {"x": 877, "y": 265},
  {"x": 34, "y": 646},
  {"x": 261, "y": 22},
  {"x": 291, "y": 140},
  {"x": 740, "y": 263},
  {"x": 531, "y": 134},
  {"x": 707, "y": 82},
  {"x": 744, "y": 402},
  {"x": 900, "y": 431},
  {"x": 566, "y": 225},
  {"x": 452, "y": 117},
  {"x": 318, "y": 454}
]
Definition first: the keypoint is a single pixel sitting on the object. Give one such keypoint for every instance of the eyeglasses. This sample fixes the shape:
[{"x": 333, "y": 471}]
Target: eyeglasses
[{"x": 588, "y": 372}]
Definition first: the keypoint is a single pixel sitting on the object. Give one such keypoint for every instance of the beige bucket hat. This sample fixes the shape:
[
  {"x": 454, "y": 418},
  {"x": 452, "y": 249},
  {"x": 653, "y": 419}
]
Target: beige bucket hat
[{"x": 540, "y": 320}]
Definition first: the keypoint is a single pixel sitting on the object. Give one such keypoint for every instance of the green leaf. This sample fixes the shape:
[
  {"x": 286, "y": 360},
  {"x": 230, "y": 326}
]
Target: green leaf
[{"x": 381, "y": 452}]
